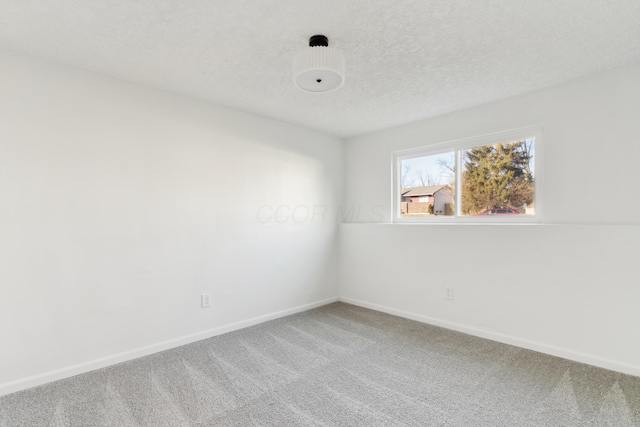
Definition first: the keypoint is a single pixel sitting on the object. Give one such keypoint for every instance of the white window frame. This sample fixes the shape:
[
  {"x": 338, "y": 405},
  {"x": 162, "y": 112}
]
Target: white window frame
[{"x": 457, "y": 147}]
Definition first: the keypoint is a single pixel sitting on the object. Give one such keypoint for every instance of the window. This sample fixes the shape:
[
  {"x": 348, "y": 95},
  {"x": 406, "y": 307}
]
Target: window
[{"x": 493, "y": 178}]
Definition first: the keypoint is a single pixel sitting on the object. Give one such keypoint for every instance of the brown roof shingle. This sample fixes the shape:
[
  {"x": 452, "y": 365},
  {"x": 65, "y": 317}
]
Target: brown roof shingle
[{"x": 421, "y": 191}]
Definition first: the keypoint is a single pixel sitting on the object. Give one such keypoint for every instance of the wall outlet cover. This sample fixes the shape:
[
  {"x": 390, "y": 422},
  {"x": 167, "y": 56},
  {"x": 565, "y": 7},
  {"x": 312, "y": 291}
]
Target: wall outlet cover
[
  {"x": 205, "y": 300},
  {"x": 448, "y": 292}
]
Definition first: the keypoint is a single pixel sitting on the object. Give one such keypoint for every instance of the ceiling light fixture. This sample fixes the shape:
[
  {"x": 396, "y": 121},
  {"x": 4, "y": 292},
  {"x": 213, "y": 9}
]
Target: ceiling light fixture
[{"x": 318, "y": 68}]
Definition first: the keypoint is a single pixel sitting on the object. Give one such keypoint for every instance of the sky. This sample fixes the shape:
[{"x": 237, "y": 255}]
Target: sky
[{"x": 411, "y": 169}]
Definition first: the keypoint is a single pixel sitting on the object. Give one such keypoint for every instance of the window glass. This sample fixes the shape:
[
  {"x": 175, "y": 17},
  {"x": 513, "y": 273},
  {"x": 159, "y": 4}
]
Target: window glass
[
  {"x": 427, "y": 185},
  {"x": 499, "y": 177},
  {"x": 490, "y": 178}
]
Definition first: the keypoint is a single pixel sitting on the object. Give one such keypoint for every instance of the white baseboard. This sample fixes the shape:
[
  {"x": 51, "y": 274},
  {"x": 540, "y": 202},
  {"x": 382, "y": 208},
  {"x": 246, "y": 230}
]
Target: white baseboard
[
  {"x": 565, "y": 353},
  {"x": 80, "y": 368}
]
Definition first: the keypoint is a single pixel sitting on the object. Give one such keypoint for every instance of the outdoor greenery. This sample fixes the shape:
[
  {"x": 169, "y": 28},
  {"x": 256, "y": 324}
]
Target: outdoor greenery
[
  {"x": 497, "y": 176},
  {"x": 492, "y": 176}
]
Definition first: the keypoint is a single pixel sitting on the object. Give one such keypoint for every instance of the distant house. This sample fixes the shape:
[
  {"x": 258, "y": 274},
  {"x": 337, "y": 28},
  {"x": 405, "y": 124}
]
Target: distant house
[{"x": 437, "y": 195}]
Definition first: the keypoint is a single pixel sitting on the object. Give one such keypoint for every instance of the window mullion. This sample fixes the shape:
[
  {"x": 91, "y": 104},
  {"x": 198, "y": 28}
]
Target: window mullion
[{"x": 458, "y": 183}]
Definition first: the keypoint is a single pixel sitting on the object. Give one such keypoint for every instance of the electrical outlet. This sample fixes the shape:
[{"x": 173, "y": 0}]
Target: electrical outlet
[
  {"x": 205, "y": 300},
  {"x": 448, "y": 292}
]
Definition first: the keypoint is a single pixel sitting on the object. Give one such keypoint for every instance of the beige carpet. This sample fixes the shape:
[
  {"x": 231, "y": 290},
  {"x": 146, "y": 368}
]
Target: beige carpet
[{"x": 337, "y": 365}]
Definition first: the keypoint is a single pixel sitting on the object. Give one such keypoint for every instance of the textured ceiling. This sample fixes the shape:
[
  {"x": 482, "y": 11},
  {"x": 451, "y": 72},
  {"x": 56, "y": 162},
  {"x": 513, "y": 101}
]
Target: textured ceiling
[{"x": 405, "y": 59}]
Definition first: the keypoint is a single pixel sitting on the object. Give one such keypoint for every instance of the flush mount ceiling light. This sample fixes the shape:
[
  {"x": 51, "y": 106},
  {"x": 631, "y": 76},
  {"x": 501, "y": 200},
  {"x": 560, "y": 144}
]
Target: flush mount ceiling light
[{"x": 318, "y": 68}]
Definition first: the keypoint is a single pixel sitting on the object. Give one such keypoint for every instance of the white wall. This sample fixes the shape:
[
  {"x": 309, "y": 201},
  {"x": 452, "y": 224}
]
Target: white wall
[
  {"x": 120, "y": 205},
  {"x": 569, "y": 287}
]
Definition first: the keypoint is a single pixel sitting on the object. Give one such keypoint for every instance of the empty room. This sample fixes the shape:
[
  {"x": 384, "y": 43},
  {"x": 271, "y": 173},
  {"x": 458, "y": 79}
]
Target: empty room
[{"x": 335, "y": 213}]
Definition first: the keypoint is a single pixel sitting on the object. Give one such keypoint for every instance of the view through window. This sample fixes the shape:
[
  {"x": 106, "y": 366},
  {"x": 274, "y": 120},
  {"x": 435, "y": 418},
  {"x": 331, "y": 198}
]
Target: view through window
[
  {"x": 428, "y": 185},
  {"x": 479, "y": 181}
]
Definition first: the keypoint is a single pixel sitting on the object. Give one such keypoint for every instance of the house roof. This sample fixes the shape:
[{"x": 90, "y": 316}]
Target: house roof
[
  {"x": 421, "y": 191},
  {"x": 405, "y": 61}
]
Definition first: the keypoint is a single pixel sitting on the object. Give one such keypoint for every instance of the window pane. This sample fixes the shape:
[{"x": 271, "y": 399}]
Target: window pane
[
  {"x": 427, "y": 185},
  {"x": 498, "y": 179}
]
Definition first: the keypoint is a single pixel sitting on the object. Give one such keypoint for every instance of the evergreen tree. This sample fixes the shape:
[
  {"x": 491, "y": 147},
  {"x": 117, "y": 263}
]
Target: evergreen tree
[{"x": 497, "y": 176}]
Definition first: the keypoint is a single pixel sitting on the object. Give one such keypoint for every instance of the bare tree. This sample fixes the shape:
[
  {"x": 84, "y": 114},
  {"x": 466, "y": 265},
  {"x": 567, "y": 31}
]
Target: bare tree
[
  {"x": 425, "y": 178},
  {"x": 525, "y": 151},
  {"x": 447, "y": 170},
  {"x": 406, "y": 179}
]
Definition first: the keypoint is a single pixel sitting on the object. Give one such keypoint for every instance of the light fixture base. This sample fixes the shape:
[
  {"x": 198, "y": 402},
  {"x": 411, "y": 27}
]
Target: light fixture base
[{"x": 319, "y": 40}]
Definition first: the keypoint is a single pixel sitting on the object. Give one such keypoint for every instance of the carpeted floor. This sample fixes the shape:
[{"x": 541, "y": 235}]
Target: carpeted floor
[{"x": 338, "y": 365}]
